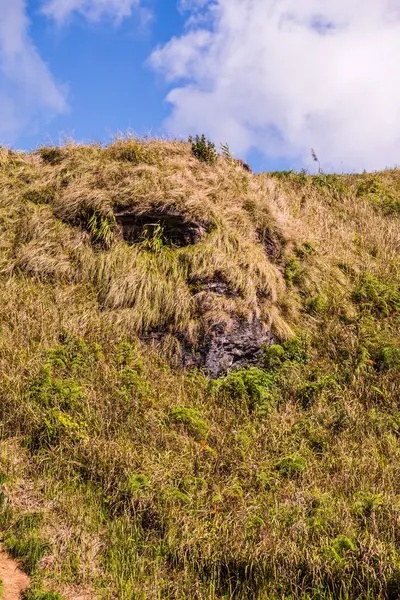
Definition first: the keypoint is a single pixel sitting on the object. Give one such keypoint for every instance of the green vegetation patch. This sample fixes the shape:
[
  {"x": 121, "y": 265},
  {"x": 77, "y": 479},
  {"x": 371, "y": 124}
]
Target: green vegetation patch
[{"x": 376, "y": 296}]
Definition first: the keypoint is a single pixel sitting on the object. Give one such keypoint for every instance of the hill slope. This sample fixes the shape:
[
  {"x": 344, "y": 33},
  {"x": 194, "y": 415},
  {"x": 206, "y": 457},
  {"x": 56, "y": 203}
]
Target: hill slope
[{"x": 134, "y": 275}]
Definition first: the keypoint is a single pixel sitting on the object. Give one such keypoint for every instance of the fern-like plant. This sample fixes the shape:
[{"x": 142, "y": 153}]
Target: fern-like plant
[{"x": 101, "y": 228}]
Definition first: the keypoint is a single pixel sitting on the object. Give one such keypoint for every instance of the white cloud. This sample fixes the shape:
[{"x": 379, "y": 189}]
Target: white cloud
[
  {"x": 28, "y": 92},
  {"x": 283, "y": 76},
  {"x": 92, "y": 10}
]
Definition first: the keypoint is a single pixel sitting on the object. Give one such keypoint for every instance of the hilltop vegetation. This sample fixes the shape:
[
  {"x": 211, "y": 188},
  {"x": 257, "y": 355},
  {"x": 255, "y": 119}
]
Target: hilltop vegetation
[{"x": 128, "y": 472}]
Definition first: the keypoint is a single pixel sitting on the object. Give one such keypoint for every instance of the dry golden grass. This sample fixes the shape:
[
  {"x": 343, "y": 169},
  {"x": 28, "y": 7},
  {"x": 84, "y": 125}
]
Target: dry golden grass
[
  {"x": 147, "y": 481},
  {"x": 40, "y": 194}
]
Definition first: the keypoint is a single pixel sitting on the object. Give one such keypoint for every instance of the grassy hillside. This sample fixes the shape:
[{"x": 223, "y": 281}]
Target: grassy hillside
[{"x": 125, "y": 475}]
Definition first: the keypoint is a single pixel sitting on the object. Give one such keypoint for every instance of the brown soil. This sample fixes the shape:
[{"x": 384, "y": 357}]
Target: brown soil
[{"x": 14, "y": 581}]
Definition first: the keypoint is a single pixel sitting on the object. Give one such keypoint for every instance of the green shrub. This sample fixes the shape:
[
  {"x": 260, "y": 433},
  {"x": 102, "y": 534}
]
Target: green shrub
[
  {"x": 332, "y": 183},
  {"x": 340, "y": 547},
  {"x": 50, "y": 392},
  {"x": 126, "y": 354},
  {"x": 253, "y": 385},
  {"x": 380, "y": 196},
  {"x": 309, "y": 390},
  {"x": 291, "y": 466},
  {"x": 367, "y": 504},
  {"x": 175, "y": 496},
  {"x": 317, "y": 304},
  {"x": 273, "y": 356},
  {"x": 203, "y": 149},
  {"x": 376, "y": 296},
  {"x": 52, "y": 427},
  {"x": 387, "y": 358},
  {"x": 266, "y": 481},
  {"x": 191, "y": 419},
  {"x": 137, "y": 482},
  {"x": 297, "y": 350},
  {"x": 72, "y": 354},
  {"x": 293, "y": 272}
]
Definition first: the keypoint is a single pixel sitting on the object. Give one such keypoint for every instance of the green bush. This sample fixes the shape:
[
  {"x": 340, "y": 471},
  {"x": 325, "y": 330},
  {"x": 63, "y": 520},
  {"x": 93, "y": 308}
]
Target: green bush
[
  {"x": 293, "y": 272},
  {"x": 367, "y": 504},
  {"x": 273, "y": 356},
  {"x": 137, "y": 482},
  {"x": 72, "y": 354},
  {"x": 387, "y": 358},
  {"x": 50, "y": 392},
  {"x": 203, "y": 149},
  {"x": 340, "y": 547},
  {"x": 376, "y": 296},
  {"x": 291, "y": 466},
  {"x": 317, "y": 304},
  {"x": 309, "y": 390},
  {"x": 191, "y": 419},
  {"x": 380, "y": 196},
  {"x": 253, "y": 385},
  {"x": 297, "y": 350}
]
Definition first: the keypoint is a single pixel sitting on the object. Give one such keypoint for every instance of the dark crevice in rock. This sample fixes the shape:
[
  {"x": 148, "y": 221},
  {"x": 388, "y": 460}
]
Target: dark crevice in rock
[
  {"x": 176, "y": 229},
  {"x": 273, "y": 244},
  {"x": 217, "y": 285}
]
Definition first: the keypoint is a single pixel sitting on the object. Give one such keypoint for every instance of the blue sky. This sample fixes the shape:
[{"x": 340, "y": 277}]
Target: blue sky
[
  {"x": 273, "y": 79},
  {"x": 110, "y": 86}
]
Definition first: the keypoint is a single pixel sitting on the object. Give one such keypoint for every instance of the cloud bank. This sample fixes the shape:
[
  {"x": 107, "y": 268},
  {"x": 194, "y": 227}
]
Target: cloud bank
[
  {"x": 282, "y": 76},
  {"x": 28, "y": 92}
]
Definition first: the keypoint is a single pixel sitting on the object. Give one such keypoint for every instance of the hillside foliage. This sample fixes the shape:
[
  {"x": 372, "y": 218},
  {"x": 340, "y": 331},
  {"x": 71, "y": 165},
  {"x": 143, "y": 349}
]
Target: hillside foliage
[{"x": 123, "y": 475}]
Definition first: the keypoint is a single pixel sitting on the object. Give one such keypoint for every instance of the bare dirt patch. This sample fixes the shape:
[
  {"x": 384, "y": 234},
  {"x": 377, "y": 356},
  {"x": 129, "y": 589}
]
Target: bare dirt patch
[{"x": 14, "y": 581}]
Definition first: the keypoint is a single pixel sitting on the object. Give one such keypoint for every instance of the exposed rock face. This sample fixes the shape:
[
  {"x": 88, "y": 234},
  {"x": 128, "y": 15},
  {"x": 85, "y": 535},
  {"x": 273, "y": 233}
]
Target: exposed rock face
[
  {"x": 222, "y": 350},
  {"x": 176, "y": 229}
]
